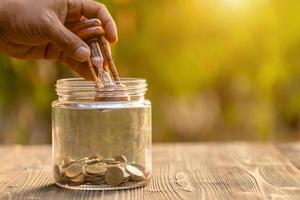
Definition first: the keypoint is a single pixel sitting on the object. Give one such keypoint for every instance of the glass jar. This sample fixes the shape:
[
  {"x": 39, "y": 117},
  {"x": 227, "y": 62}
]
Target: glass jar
[{"x": 101, "y": 138}]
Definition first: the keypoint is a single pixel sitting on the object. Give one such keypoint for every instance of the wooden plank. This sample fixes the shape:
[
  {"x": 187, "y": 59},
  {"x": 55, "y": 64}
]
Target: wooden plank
[{"x": 212, "y": 170}]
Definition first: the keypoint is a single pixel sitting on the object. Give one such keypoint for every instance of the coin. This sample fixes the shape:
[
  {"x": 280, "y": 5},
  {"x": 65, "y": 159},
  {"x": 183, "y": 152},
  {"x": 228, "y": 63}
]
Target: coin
[
  {"x": 67, "y": 161},
  {"x": 114, "y": 176},
  {"x": 97, "y": 168},
  {"x": 74, "y": 170},
  {"x": 79, "y": 178},
  {"x": 91, "y": 161},
  {"x": 140, "y": 167},
  {"x": 93, "y": 179},
  {"x": 121, "y": 158},
  {"x": 106, "y": 160},
  {"x": 83, "y": 160},
  {"x": 126, "y": 174},
  {"x": 58, "y": 173},
  {"x": 96, "y": 156},
  {"x": 125, "y": 180},
  {"x": 113, "y": 162},
  {"x": 135, "y": 173}
]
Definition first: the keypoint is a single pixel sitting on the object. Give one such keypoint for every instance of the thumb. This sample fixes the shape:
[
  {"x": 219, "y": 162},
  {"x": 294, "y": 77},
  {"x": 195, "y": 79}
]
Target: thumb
[{"x": 69, "y": 43}]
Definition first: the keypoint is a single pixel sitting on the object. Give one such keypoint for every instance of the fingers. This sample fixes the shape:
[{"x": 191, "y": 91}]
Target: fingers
[
  {"x": 68, "y": 42},
  {"x": 81, "y": 68},
  {"x": 52, "y": 52},
  {"x": 92, "y": 9}
]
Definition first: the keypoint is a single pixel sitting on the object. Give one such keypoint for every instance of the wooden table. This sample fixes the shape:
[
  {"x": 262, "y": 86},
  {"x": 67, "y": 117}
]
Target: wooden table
[{"x": 213, "y": 171}]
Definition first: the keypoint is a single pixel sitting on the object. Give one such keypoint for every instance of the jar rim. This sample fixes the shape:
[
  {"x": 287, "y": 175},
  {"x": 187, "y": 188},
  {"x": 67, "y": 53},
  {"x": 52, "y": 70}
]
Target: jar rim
[
  {"x": 81, "y": 89},
  {"x": 87, "y": 82}
]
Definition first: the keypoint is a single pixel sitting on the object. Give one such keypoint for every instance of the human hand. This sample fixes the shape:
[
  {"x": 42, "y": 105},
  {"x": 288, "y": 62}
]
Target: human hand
[{"x": 34, "y": 29}]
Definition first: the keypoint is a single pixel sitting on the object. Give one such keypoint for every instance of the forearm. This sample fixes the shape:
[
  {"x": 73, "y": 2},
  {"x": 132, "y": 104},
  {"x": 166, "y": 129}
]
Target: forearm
[{"x": 7, "y": 9}]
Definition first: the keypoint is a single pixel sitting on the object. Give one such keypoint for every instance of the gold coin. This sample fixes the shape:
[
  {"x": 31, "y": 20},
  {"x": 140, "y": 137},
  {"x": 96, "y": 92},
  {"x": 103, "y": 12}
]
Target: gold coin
[
  {"x": 67, "y": 161},
  {"x": 79, "y": 178},
  {"x": 96, "y": 156},
  {"x": 84, "y": 159},
  {"x": 126, "y": 179},
  {"x": 97, "y": 168},
  {"x": 91, "y": 161},
  {"x": 58, "y": 173},
  {"x": 113, "y": 162},
  {"x": 126, "y": 174},
  {"x": 93, "y": 179},
  {"x": 105, "y": 160},
  {"x": 64, "y": 180},
  {"x": 121, "y": 158},
  {"x": 74, "y": 170},
  {"x": 114, "y": 176},
  {"x": 136, "y": 174}
]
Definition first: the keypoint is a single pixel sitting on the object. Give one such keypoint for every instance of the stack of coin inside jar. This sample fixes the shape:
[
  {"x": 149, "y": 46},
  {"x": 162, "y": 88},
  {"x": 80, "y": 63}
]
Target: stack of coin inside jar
[{"x": 96, "y": 170}]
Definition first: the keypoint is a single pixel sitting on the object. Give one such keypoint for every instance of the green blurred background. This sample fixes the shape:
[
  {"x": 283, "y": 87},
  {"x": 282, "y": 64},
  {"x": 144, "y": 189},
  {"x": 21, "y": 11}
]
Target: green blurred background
[{"x": 217, "y": 70}]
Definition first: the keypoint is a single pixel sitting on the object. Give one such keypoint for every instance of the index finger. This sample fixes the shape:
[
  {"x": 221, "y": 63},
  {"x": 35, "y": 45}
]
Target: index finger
[{"x": 92, "y": 9}]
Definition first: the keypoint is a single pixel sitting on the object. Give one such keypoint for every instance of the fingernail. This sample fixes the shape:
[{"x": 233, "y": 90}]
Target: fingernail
[{"x": 82, "y": 53}]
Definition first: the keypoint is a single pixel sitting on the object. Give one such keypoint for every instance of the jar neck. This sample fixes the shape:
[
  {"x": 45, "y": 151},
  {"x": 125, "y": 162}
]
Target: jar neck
[{"x": 79, "y": 89}]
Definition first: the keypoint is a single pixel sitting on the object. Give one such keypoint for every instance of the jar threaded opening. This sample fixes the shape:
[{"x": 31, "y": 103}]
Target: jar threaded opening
[{"x": 75, "y": 89}]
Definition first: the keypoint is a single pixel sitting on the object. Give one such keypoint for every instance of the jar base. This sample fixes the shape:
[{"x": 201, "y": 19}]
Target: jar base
[{"x": 125, "y": 186}]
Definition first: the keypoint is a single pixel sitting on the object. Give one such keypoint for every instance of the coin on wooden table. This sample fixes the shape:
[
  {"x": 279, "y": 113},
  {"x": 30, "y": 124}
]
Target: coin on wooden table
[
  {"x": 96, "y": 168},
  {"x": 74, "y": 170},
  {"x": 114, "y": 176},
  {"x": 121, "y": 158},
  {"x": 135, "y": 173}
]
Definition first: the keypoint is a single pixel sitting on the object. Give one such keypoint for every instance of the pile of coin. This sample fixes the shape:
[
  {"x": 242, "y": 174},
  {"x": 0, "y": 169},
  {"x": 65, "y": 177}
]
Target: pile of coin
[{"x": 97, "y": 170}]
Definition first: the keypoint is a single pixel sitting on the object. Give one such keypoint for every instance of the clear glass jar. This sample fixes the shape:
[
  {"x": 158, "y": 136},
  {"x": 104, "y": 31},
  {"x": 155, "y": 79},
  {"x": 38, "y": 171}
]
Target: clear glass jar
[{"x": 101, "y": 139}]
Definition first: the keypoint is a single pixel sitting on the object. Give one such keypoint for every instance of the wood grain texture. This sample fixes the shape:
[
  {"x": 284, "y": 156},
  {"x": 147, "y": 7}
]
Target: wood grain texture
[{"x": 212, "y": 171}]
